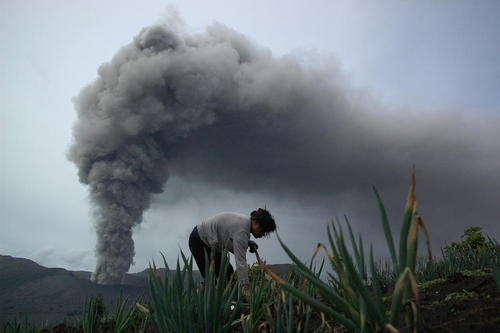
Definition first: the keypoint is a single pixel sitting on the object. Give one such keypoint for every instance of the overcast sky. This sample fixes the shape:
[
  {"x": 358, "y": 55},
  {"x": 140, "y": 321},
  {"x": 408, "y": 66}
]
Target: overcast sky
[{"x": 424, "y": 75}]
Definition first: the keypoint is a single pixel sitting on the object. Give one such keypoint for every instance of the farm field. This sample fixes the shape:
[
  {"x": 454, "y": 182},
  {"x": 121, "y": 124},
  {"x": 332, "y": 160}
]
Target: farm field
[{"x": 346, "y": 290}]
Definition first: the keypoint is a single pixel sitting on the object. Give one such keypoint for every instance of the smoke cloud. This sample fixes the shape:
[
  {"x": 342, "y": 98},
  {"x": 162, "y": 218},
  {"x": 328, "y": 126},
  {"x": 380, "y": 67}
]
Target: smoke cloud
[{"x": 215, "y": 107}]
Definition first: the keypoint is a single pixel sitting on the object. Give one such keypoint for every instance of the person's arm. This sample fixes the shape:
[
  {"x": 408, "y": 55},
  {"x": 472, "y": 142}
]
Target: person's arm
[{"x": 240, "y": 245}]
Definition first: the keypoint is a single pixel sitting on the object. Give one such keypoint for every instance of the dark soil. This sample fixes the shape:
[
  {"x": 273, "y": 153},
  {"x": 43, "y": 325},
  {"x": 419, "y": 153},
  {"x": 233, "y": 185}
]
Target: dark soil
[
  {"x": 462, "y": 303},
  {"x": 62, "y": 328}
]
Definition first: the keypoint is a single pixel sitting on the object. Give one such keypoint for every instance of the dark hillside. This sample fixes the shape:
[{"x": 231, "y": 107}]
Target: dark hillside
[
  {"x": 39, "y": 293},
  {"x": 28, "y": 290}
]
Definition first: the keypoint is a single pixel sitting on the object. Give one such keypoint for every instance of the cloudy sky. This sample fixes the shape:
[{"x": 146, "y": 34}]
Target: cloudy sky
[{"x": 353, "y": 93}]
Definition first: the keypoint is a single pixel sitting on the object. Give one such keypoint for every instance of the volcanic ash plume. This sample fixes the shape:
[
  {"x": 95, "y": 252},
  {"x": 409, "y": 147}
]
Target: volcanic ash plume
[
  {"x": 214, "y": 107},
  {"x": 153, "y": 94}
]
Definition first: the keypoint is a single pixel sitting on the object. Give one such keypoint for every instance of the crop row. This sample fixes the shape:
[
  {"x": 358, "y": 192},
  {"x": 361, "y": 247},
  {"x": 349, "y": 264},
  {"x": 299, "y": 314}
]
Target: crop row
[{"x": 348, "y": 291}]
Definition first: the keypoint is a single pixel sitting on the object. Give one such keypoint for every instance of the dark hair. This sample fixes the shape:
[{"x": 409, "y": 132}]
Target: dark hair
[{"x": 265, "y": 220}]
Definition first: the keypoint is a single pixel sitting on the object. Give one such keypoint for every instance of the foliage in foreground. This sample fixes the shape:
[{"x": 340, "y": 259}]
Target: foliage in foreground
[
  {"x": 179, "y": 304},
  {"x": 353, "y": 296}
]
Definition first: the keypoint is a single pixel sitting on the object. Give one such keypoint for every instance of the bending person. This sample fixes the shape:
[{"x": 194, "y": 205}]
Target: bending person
[{"x": 233, "y": 231}]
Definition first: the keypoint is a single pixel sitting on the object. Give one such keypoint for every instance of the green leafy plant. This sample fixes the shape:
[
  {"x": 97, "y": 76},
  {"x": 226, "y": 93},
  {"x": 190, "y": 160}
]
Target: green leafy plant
[
  {"x": 94, "y": 310},
  {"x": 122, "y": 316},
  {"x": 18, "y": 327},
  {"x": 179, "y": 304},
  {"x": 453, "y": 259},
  {"x": 272, "y": 309},
  {"x": 472, "y": 238},
  {"x": 262, "y": 296},
  {"x": 295, "y": 315},
  {"x": 351, "y": 297},
  {"x": 475, "y": 252}
]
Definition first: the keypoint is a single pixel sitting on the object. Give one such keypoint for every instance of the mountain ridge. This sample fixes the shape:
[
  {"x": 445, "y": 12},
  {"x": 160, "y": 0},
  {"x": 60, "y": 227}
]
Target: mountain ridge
[
  {"x": 32, "y": 292},
  {"x": 29, "y": 291}
]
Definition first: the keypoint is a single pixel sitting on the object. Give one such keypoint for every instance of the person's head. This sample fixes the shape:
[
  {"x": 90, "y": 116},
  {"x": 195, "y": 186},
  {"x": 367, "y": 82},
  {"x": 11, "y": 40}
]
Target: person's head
[{"x": 262, "y": 223}]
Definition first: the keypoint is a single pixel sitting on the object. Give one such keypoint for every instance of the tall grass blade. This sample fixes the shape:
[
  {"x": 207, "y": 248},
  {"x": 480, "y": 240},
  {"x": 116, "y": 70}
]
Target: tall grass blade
[
  {"x": 412, "y": 243},
  {"x": 360, "y": 286},
  {"x": 387, "y": 228},
  {"x": 349, "y": 324},
  {"x": 329, "y": 293},
  {"x": 358, "y": 252},
  {"x": 427, "y": 239},
  {"x": 410, "y": 208},
  {"x": 375, "y": 281}
]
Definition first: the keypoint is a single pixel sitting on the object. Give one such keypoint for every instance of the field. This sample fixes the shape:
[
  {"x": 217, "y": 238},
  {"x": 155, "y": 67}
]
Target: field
[{"x": 347, "y": 291}]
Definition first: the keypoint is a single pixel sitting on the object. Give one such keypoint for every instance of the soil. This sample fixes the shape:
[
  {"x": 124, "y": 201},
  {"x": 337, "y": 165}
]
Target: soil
[{"x": 462, "y": 303}]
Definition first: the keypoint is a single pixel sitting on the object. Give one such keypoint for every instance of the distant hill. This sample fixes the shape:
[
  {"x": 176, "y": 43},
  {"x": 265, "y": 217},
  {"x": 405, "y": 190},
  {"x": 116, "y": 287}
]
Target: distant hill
[
  {"x": 29, "y": 290},
  {"x": 40, "y": 293}
]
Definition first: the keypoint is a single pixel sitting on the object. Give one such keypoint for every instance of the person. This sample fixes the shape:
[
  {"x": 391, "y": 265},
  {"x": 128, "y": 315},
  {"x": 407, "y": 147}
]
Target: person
[{"x": 233, "y": 231}]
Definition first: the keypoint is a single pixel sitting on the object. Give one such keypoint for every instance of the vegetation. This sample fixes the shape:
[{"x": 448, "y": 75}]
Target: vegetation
[
  {"x": 180, "y": 305},
  {"x": 349, "y": 291},
  {"x": 475, "y": 253},
  {"x": 353, "y": 297}
]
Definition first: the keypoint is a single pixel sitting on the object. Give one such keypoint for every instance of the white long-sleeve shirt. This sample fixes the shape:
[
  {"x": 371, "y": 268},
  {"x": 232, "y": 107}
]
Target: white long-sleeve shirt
[{"x": 232, "y": 229}]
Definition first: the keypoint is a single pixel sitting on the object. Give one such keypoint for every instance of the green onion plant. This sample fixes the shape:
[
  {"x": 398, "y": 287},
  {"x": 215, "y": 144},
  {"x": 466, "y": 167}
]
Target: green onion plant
[
  {"x": 180, "y": 304},
  {"x": 92, "y": 314},
  {"x": 122, "y": 316},
  {"x": 18, "y": 326},
  {"x": 353, "y": 295}
]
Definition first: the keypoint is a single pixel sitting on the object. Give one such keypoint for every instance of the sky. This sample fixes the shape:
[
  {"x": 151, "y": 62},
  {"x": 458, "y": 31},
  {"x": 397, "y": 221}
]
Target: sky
[{"x": 357, "y": 93}]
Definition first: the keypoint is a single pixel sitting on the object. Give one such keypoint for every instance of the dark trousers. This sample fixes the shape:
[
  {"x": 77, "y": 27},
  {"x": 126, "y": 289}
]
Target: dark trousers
[{"x": 199, "y": 248}]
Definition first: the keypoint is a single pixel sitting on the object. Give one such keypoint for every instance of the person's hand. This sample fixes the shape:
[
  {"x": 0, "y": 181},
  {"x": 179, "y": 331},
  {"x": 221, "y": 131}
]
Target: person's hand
[{"x": 252, "y": 246}]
